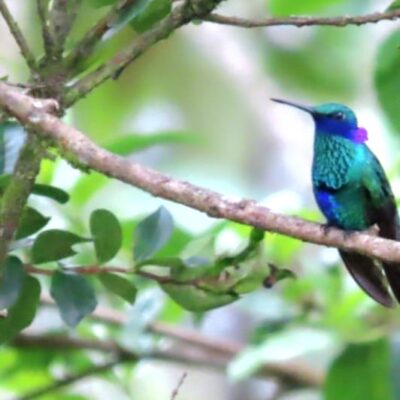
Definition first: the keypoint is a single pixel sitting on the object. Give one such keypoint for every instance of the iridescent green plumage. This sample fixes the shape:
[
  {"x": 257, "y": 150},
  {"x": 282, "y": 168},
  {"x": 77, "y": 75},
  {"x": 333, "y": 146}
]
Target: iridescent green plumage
[{"x": 353, "y": 193}]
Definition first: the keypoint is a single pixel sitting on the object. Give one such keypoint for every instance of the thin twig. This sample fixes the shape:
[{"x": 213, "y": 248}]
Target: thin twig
[
  {"x": 179, "y": 333},
  {"x": 61, "y": 383},
  {"x": 179, "y": 386},
  {"x": 97, "y": 270},
  {"x": 43, "y": 12},
  {"x": 304, "y": 21},
  {"x": 62, "y": 17},
  {"x": 294, "y": 372},
  {"x": 18, "y": 36},
  {"x": 85, "y": 270},
  {"x": 28, "y": 111},
  {"x": 93, "y": 36}
]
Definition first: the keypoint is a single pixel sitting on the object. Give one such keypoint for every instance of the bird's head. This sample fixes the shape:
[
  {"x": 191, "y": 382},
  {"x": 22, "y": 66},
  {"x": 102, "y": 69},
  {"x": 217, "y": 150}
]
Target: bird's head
[{"x": 333, "y": 119}]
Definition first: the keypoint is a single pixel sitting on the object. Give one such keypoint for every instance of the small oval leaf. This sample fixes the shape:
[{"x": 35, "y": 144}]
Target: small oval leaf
[
  {"x": 51, "y": 192},
  {"x": 31, "y": 222},
  {"x": 152, "y": 234},
  {"x": 53, "y": 245},
  {"x": 23, "y": 311},
  {"x": 119, "y": 286},
  {"x": 74, "y": 296},
  {"x": 107, "y": 234},
  {"x": 11, "y": 282}
]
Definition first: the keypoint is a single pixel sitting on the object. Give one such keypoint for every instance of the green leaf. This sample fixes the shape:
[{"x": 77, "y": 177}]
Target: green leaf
[
  {"x": 152, "y": 234},
  {"x": 361, "y": 372},
  {"x": 394, "y": 6},
  {"x": 48, "y": 191},
  {"x": 197, "y": 299},
  {"x": 133, "y": 143},
  {"x": 119, "y": 286},
  {"x": 147, "y": 12},
  {"x": 107, "y": 234},
  {"x": 51, "y": 192},
  {"x": 23, "y": 311},
  {"x": 31, "y": 222},
  {"x": 387, "y": 78},
  {"x": 74, "y": 296},
  {"x": 11, "y": 282},
  {"x": 53, "y": 245}
]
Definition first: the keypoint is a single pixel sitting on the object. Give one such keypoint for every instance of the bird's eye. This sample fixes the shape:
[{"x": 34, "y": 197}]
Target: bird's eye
[{"x": 339, "y": 116}]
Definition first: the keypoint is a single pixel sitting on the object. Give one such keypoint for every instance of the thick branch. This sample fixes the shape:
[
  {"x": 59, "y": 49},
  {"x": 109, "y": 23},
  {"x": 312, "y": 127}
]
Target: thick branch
[
  {"x": 304, "y": 21},
  {"x": 18, "y": 36},
  {"x": 17, "y": 192},
  {"x": 28, "y": 111}
]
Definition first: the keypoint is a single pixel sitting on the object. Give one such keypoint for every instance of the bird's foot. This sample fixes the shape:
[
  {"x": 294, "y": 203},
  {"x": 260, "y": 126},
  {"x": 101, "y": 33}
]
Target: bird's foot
[
  {"x": 326, "y": 228},
  {"x": 348, "y": 234}
]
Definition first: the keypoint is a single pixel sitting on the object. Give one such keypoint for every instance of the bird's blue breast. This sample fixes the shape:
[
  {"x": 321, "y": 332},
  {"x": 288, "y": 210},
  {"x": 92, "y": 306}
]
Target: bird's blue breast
[{"x": 328, "y": 205}]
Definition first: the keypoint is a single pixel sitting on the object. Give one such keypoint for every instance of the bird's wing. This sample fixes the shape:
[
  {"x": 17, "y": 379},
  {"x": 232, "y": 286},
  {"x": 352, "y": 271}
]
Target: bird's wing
[{"x": 383, "y": 212}]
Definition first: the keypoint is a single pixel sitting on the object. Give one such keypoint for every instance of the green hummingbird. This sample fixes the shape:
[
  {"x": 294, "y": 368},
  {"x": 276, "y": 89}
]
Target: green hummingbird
[{"x": 353, "y": 192}]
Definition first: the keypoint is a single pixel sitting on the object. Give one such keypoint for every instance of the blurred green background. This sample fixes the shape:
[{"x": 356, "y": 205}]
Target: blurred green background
[{"x": 199, "y": 105}]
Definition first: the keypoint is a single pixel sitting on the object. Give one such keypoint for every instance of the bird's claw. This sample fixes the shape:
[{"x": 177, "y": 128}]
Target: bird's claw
[
  {"x": 348, "y": 234},
  {"x": 326, "y": 228}
]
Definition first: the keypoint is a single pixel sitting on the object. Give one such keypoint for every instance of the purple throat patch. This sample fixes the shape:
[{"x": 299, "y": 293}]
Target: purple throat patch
[{"x": 360, "y": 135}]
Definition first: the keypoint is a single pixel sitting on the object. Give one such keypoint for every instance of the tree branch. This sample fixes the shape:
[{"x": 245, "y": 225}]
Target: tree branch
[
  {"x": 43, "y": 12},
  {"x": 28, "y": 111},
  {"x": 18, "y": 36},
  {"x": 304, "y": 21},
  {"x": 181, "y": 15},
  {"x": 17, "y": 192},
  {"x": 92, "y": 37},
  {"x": 290, "y": 371},
  {"x": 61, "y": 383},
  {"x": 294, "y": 372},
  {"x": 62, "y": 17}
]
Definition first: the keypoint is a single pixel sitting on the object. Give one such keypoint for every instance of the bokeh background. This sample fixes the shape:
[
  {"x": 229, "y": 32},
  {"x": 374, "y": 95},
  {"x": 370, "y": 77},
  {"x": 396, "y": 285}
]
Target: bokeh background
[{"x": 199, "y": 106}]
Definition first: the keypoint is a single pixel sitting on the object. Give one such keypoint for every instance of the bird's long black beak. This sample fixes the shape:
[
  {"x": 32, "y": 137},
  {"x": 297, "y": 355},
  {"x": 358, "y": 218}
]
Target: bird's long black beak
[{"x": 307, "y": 109}]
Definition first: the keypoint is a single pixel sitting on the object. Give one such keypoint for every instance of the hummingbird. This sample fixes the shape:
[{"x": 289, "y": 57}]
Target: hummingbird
[{"x": 353, "y": 193}]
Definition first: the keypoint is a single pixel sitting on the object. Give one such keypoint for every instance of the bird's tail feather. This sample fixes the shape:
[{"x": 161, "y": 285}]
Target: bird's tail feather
[
  {"x": 370, "y": 277},
  {"x": 389, "y": 228},
  {"x": 392, "y": 272}
]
